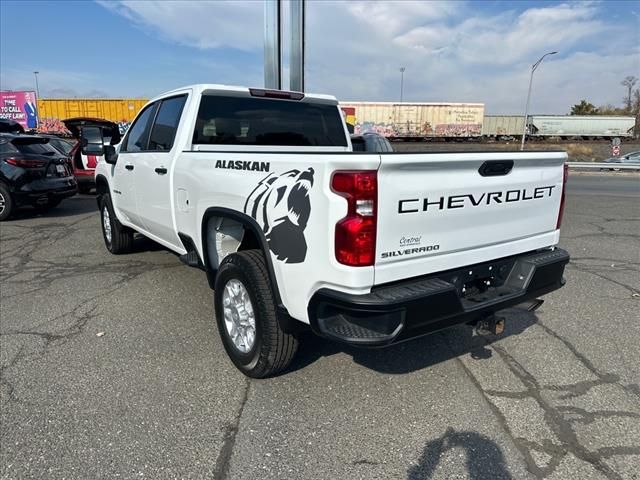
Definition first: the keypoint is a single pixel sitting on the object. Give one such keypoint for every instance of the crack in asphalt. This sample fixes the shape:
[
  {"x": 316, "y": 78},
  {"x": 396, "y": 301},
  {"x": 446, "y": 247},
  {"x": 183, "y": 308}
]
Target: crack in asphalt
[
  {"x": 581, "y": 388},
  {"x": 559, "y": 418},
  {"x": 593, "y": 270},
  {"x": 223, "y": 462},
  {"x": 31, "y": 275},
  {"x": 43, "y": 273}
]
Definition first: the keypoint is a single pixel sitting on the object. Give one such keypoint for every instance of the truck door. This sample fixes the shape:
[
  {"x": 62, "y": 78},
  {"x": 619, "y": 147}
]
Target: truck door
[
  {"x": 132, "y": 152},
  {"x": 153, "y": 172}
]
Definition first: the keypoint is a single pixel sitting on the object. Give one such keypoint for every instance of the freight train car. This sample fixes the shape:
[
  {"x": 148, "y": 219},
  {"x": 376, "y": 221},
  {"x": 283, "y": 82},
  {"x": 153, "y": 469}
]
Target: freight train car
[
  {"x": 585, "y": 127},
  {"x": 502, "y": 127},
  {"x": 51, "y": 111},
  {"x": 413, "y": 121}
]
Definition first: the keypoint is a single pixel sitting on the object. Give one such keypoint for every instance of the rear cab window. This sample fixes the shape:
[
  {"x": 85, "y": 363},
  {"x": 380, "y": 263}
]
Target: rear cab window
[{"x": 237, "y": 120}]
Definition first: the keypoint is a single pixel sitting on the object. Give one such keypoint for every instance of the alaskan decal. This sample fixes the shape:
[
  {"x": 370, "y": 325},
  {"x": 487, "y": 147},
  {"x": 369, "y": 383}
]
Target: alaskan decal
[
  {"x": 281, "y": 206},
  {"x": 243, "y": 165},
  {"x": 415, "y": 205}
]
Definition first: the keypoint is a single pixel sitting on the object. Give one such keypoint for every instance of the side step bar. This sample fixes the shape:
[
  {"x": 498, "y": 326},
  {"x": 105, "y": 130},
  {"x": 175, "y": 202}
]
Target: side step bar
[{"x": 191, "y": 258}]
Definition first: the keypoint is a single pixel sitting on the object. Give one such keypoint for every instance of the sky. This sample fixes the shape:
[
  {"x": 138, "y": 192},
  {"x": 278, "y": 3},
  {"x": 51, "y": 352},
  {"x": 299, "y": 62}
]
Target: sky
[{"x": 456, "y": 51}]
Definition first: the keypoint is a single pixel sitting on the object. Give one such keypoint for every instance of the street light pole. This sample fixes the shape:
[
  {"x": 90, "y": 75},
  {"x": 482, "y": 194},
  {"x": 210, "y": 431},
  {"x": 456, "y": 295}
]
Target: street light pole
[
  {"x": 402, "y": 69},
  {"x": 526, "y": 109},
  {"x": 37, "y": 88}
]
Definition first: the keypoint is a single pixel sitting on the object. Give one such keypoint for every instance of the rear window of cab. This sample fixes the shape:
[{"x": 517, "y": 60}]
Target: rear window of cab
[{"x": 257, "y": 121}]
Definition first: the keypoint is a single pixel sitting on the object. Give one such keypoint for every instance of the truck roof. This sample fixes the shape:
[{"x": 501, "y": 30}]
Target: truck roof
[{"x": 200, "y": 88}]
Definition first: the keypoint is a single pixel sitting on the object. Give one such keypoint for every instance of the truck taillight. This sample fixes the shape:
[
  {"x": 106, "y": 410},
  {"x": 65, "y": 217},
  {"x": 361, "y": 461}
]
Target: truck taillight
[
  {"x": 562, "y": 197},
  {"x": 355, "y": 237}
]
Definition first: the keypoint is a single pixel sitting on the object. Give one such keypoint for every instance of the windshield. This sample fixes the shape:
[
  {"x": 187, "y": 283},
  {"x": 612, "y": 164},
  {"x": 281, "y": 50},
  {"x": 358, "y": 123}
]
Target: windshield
[{"x": 258, "y": 121}]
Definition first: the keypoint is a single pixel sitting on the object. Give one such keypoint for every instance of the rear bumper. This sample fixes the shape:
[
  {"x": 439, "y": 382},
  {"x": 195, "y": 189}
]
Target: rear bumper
[
  {"x": 415, "y": 307},
  {"x": 41, "y": 191},
  {"x": 85, "y": 178}
]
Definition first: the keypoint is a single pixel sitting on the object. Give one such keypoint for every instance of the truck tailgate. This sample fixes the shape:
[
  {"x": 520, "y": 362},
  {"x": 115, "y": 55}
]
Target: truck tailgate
[{"x": 438, "y": 211}]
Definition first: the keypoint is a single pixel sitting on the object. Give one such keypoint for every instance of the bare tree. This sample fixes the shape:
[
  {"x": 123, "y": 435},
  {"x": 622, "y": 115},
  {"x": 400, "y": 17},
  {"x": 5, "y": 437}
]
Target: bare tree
[{"x": 629, "y": 82}]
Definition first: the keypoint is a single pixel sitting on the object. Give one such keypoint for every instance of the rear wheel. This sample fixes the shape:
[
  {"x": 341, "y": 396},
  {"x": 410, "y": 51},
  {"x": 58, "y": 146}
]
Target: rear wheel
[
  {"x": 246, "y": 316},
  {"x": 6, "y": 203},
  {"x": 117, "y": 238}
]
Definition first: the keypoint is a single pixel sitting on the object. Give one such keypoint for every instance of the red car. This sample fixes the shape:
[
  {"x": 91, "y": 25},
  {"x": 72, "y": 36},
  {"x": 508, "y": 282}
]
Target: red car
[{"x": 84, "y": 166}]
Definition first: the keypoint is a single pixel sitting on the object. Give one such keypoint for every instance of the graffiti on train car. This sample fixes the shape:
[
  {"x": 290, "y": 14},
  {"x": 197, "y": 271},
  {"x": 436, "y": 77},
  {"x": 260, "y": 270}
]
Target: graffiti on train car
[
  {"x": 52, "y": 125},
  {"x": 384, "y": 129},
  {"x": 123, "y": 126},
  {"x": 458, "y": 130},
  {"x": 412, "y": 129}
]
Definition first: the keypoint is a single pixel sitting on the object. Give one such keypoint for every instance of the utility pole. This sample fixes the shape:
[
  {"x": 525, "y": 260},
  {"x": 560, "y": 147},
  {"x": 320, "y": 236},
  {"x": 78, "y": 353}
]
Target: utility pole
[
  {"x": 402, "y": 69},
  {"x": 273, "y": 44},
  {"x": 526, "y": 109},
  {"x": 37, "y": 88},
  {"x": 297, "y": 47}
]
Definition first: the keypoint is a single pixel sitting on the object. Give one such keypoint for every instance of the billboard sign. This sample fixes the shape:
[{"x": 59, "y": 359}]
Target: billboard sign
[{"x": 20, "y": 107}]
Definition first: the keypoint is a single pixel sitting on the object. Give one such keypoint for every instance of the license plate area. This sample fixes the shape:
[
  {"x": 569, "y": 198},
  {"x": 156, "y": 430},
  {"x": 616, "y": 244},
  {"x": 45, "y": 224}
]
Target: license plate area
[{"x": 478, "y": 279}]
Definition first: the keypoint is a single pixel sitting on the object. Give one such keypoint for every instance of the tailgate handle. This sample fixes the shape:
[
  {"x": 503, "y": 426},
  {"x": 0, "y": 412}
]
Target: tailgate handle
[{"x": 494, "y": 168}]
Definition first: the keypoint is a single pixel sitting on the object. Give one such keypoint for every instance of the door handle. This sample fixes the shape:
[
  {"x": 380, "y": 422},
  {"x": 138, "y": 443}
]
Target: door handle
[
  {"x": 161, "y": 170},
  {"x": 129, "y": 167}
]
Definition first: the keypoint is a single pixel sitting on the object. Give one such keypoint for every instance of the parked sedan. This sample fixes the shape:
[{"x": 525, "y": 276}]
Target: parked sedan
[
  {"x": 32, "y": 172},
  {"x": 629, "y": 158}
]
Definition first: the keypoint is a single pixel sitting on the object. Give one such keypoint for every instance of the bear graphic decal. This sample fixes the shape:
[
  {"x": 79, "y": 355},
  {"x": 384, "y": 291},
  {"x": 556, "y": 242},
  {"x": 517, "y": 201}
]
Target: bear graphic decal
[{"x": 281, "y": 206}]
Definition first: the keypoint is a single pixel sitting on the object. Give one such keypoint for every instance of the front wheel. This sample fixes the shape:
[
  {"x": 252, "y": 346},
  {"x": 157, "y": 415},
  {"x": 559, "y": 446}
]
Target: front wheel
[
  {"x": 246, "y": 316},
  {"x": 117, "y": 238}
]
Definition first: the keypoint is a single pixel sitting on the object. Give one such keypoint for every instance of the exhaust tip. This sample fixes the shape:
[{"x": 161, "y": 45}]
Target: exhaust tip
[
  {"x": 531, "y": 305},
  {"x": 535, "y": 304}
]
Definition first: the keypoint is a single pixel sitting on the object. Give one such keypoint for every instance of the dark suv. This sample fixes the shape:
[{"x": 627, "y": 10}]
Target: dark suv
[
  {"x": 32, "y": 172},
  {"x": 370, "y": 142}
]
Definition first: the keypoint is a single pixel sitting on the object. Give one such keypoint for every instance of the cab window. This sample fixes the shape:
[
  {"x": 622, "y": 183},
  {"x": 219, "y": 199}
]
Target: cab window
[
  {"x": 165, "y": 126},
  {"x": 138, "y": 134}
]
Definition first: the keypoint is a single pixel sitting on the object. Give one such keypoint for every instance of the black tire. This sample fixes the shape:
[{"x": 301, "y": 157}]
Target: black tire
[
  {"x": 273, "y": 349},
  {"x": 6, "y": 203},
  {"x": 121, "y": 237}
]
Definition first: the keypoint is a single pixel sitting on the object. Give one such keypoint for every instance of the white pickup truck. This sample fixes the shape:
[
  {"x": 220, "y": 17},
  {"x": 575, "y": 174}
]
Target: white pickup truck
[{"x": 261, "y": 189}]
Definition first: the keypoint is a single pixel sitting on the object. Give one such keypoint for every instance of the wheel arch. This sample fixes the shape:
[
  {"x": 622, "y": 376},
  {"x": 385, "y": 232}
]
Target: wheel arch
[
  {"x": 253, "y": 238},
  {"x": 102, "y": 187}
]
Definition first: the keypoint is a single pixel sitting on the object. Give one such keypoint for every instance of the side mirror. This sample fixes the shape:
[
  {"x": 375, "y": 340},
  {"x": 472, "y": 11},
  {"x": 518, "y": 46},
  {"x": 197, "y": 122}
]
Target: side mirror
[
  {"x": 110, "y": 154},
  {"x": 91, "y": 141}
]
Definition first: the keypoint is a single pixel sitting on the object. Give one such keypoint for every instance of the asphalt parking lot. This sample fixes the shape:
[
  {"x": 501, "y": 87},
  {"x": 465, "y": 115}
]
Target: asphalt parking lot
[{"x": 111, "y": 367}]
